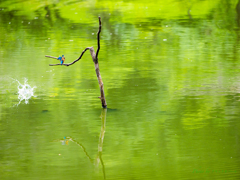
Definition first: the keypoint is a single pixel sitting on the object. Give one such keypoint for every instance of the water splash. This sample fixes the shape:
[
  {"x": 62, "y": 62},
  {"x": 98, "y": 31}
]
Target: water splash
[{"x": 25, "y": 91}]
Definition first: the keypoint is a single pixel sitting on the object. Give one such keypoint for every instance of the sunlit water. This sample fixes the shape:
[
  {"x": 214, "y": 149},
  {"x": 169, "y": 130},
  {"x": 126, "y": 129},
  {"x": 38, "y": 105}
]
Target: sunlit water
[{"x": 171, "y": 76}]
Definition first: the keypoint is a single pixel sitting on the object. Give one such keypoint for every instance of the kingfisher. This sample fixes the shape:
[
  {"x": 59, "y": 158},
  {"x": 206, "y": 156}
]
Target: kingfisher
[{"x": 61, "y": 59}]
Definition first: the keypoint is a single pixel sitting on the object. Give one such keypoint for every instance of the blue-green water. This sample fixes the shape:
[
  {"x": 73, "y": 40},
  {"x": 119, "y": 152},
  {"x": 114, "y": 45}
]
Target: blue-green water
[{"x": 171, "y": 77}]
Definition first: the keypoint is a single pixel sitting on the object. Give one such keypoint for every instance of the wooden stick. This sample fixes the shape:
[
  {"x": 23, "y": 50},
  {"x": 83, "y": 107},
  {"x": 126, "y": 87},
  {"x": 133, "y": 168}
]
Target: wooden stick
[
  {"x": 98, "y": 38},
  {"x": 100, "y": 82},
  {"x": 95, "y": 60}
]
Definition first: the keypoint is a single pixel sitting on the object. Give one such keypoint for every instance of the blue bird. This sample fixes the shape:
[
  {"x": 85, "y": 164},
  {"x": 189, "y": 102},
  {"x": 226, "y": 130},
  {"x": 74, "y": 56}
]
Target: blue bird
[{"x": 61, "y": 59}]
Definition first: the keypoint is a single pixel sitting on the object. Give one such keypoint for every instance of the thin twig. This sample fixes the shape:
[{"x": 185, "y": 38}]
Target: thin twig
[
  {"x": 69, "y": 63},
  {"x": 51, "y": 57},
  {"x": 98, "y": 38}
]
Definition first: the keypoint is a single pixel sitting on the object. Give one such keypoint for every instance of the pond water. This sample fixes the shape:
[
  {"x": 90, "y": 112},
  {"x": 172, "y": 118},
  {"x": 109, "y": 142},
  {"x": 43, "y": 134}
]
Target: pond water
[{"x": 171, "y": 74}]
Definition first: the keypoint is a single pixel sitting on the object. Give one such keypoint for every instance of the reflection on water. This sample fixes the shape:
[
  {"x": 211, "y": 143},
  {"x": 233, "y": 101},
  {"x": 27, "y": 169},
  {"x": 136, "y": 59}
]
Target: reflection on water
[
  {"x": 100, "y": 144},
  {"x": 64, "y": 141},
  {"x": 98, "y": 158},
  {"x": 171, "y": 78}
]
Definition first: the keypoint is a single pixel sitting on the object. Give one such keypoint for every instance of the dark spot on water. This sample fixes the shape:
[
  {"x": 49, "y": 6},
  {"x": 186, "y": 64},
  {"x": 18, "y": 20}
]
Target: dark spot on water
[
  {"x": 44, "y": 111},
  {"x": 111, "y": 110}
]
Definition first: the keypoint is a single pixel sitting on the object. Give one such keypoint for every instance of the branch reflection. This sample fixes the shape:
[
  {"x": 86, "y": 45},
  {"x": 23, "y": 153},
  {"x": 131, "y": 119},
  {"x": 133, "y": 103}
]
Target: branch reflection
[
  {"x": 98, "y": 158},
  {"x": 100, "y": 143}
]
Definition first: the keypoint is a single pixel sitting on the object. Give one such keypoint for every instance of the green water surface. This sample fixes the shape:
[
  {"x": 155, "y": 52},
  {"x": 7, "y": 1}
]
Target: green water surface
[{"x": 171, "y": 74}]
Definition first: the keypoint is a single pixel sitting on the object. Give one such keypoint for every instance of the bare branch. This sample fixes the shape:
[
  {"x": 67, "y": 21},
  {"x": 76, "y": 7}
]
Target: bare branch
[
  {"x": 98, "y": 38},
  {"x": 51, "y": 57},
  {"x": 71, "y": 62},
  {"x": 96, "y": 57},
  {"x": 95, "y": 60}
]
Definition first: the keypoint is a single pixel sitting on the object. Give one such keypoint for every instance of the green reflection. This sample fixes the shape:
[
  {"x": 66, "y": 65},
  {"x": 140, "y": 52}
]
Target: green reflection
[{"x": 171, "y": 79}]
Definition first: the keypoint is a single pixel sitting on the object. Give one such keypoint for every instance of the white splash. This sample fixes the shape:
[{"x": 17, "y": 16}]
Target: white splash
[{"x": 25, "y": 91}]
